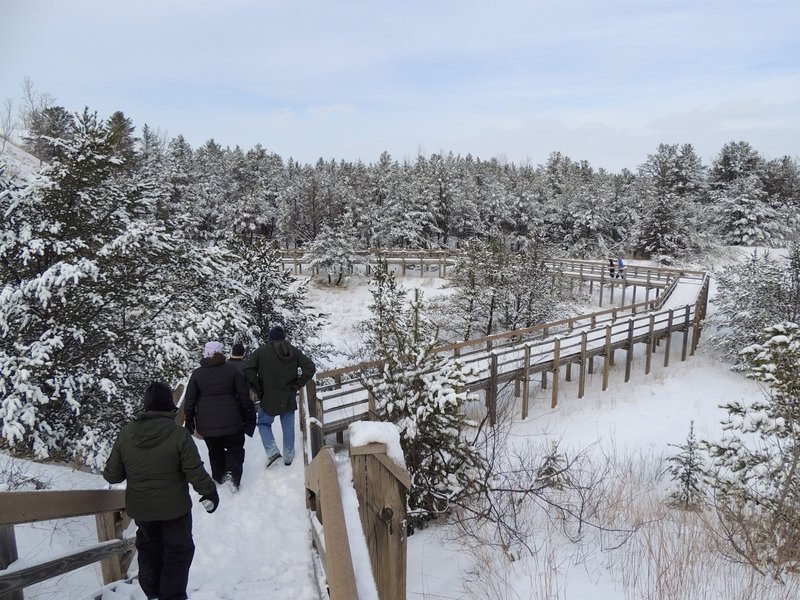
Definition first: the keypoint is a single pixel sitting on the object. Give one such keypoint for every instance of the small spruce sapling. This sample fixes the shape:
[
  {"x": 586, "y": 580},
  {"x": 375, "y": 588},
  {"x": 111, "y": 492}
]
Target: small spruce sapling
[{"x": 686, "y": 470}]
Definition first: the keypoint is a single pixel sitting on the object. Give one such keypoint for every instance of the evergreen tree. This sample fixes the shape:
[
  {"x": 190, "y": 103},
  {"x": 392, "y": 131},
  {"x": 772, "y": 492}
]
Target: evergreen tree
[
  {"x": 686, "y": 470},
  {"x": 334, "y": 252},
  {"x": 751, "y": 295},
  {"x": 671, "y": 187},
  {"x": 423, "y": 394},
  {"x": 97, "y": 300},
  {"x": 757, "y": 496},
  {"x": 47, "y": 124},
  {"x": 121, "y": 138},
  {"x": 744, "y": 216},
  {"x": 269, "y": 295}
]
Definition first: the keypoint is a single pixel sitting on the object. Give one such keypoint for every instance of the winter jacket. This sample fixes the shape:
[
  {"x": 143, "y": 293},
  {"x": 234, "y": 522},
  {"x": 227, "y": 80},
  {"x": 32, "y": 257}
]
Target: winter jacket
[
  {"x": 272, "y": 370},
  {"x": 218, "y": 399},
  {"x": 239, "y": 363},
  {"x": 159, "y": 460}
]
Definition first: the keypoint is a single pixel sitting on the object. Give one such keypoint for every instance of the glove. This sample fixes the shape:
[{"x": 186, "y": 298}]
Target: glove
[
  {"x": 296, "y": 384},
  {"x": 249, "y": 429},
  {"x": 210, "y": 501},
  {"x": 189, "y": 424}
]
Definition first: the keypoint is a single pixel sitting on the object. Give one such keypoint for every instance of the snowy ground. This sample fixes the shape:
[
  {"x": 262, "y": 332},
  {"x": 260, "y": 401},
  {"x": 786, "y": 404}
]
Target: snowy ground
[{"x": 257, "y": 545}]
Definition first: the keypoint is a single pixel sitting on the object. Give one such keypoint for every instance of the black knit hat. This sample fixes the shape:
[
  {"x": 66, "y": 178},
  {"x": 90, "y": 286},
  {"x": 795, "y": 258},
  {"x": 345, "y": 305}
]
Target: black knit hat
[
  {"x": 158, "y": 396},
  {"x": 276, "y": 334},
  {"x": 237, "y": 349}
]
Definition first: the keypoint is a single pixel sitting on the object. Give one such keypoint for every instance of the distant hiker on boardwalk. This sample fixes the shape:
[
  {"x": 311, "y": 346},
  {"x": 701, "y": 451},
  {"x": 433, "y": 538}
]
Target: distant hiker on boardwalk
[
  {"x": 217, "y": 404},
  {"x": 159, "y": 460},
  {"x": 612, "y": 267},
  {"x": 620, "y": 268},
  {"x": 276, "y": 371}
]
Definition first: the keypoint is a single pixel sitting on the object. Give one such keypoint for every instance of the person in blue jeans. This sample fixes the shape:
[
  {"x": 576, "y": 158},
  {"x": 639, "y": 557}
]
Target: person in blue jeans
[{"x": 276, "y": 371}]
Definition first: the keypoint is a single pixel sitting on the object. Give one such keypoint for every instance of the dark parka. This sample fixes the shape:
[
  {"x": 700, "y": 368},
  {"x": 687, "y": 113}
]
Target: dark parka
[
  {"x": 271, "y": 371},
  {"x": 218, "y": 399},
  {"x": 159, "y": 459}
]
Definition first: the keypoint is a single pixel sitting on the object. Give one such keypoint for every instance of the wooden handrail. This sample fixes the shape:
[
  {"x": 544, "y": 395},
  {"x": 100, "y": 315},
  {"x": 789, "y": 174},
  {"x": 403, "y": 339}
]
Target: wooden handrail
[
  {"x": 30, "y": 507},
  {"x": 323, "y": 482}
]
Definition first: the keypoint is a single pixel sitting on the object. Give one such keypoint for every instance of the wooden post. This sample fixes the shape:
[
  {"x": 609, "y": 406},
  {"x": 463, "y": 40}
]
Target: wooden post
[
  {"x": 8, "y": 554},
  {"x": 649, "y": 344},
  {"x": 602, "y": 281},
  {"x": 381, "y": 486},
  {"x": 544, "y": 380},
  {"x": 629, "y": 354},
  {"x": 421, "y": 266},
  {"x": 110, "y": 527},
  {"x": 556, "y": 361},
  {"x": 582, "y": 366},
  {"x": 315, "y": 419},
  {"x": 695, "y": 328},
  {"x": 609, "y": 357},
  {"x": 525, "y": 381},
  {"x": 491, "y": 391},
  {"x": 686, "y": 322},
  {"x": 669, "y": 337},
  {"x": 568, "y": 372}
]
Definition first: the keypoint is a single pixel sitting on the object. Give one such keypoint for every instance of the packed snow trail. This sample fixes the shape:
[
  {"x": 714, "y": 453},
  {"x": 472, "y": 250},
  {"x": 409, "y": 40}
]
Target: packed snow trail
[{"x": 257, "y": 544}]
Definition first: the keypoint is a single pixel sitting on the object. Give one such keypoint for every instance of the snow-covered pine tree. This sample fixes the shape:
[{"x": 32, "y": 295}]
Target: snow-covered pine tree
[
  {"x": 496, "y": 288},
  {"x": 269, "y": 295},
  {"x": 743, "y": 214},
  {"x": 755, "y": 474},
  {"x": 98, "y": 299},
  {"x": 423, "y": 393},
  {"x": 686, "y": 470},
  {"x": 751, "y": 295},
  {"x": 671, "y": 185},
  {"x": 333, "y": 252}
]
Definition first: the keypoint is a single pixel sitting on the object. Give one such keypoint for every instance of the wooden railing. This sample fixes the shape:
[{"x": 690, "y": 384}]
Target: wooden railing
[
  {"x": 405, "y": 260},
  {"x": 17, "y": 508}
]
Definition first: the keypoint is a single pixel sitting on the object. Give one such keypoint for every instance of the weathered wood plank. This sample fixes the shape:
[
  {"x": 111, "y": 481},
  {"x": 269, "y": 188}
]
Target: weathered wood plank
[
  {"x": 43, "y": 505},
  {"x": 15, "y": 579}
]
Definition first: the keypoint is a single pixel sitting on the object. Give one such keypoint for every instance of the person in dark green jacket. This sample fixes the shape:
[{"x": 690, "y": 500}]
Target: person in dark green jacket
[
  {"x": 276, "y": 371},
  {"x": 159, "y": 460}
]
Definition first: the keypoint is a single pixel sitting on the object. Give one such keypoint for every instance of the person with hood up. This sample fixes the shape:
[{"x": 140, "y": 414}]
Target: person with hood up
[
  {"x": 217, "y": 405},
  {"x": 159, "y": 460},
  {"x": 276, "y": 371}
]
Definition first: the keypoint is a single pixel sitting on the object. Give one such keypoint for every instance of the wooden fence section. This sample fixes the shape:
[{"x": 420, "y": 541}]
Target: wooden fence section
[
  {"x": 29, "y": 507},
  {"x": 341, "y": 398}
]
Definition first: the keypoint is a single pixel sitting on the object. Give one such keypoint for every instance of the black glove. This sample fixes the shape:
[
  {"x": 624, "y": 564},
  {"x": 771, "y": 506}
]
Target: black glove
[
  {"x": 249, "y": 429},
  {"x": 189, "y": 424},
  {"x": 296, "y": 384},
  {"x": 210, "y": 501}
]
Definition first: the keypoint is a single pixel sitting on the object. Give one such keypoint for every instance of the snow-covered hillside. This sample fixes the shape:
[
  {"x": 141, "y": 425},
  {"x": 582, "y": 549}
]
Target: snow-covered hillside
[{"x": 19, "y": 164}]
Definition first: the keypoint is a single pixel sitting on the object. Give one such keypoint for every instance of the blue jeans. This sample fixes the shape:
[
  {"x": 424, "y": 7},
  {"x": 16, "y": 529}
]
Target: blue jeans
[{"x": 264, "y": 422}]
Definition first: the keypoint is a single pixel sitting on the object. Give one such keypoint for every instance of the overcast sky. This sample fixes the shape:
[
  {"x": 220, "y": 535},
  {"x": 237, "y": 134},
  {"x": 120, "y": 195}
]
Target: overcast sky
[{"x": 605, "y": 81}]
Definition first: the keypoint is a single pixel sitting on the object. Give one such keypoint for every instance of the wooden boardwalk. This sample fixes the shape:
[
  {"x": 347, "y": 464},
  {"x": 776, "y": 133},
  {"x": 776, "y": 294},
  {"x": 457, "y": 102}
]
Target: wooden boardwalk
[{"x": 678, "y": 306}]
